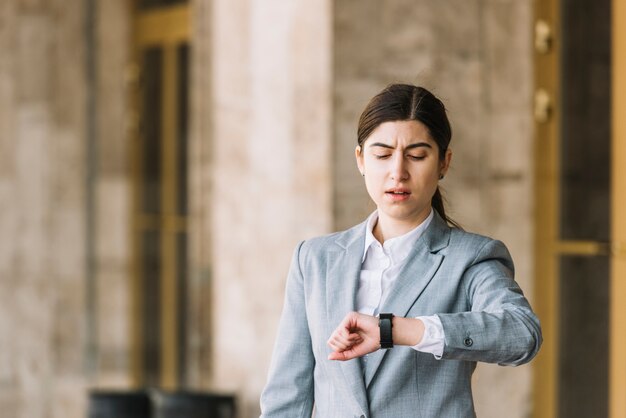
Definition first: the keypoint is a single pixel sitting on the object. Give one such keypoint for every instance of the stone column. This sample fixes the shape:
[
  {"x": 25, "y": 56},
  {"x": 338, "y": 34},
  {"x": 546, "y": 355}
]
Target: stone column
[
  {"x": 269, "y": 144},
  {"x": 42, "y": 193},
  {"x": 115, "y": 76},
  {"x": 507, "y": 194}
]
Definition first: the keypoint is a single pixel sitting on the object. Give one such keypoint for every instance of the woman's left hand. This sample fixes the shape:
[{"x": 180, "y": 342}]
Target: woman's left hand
[{"x": 356, "y": 336}]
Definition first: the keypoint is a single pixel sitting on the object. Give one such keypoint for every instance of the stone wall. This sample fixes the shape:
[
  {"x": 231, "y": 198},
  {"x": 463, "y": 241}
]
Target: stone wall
[
  {"x": 270, "y": 173},
  {"x": 42, "y": 196},
  {"x": 112, "y": 187},
  {"x": 476, "y": 56},
  {"x": 55, "y": 340}
]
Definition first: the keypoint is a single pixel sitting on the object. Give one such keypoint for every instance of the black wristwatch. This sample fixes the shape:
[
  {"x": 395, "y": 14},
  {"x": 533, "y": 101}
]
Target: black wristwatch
[{"x": 385, "y": 324}]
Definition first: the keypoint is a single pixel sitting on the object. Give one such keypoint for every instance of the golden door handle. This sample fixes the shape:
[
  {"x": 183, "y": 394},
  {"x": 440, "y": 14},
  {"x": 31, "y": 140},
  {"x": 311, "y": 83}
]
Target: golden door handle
[
  {"x": 543, "y": 37},
  {"x": 543, "y": 106}
]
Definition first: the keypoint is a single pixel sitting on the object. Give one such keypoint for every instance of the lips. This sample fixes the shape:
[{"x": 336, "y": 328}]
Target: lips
[
  {"x": 398, "y": 191},
  {"x": 398, "y": 194}
]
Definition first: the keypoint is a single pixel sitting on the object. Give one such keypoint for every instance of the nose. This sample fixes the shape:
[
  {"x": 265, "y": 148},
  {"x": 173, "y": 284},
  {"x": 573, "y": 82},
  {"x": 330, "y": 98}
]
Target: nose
[{"x": 398, "y": 169}]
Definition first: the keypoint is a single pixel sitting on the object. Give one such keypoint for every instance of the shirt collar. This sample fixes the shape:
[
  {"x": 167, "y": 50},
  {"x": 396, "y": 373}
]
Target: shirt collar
[{"x": 397, "y": 248}]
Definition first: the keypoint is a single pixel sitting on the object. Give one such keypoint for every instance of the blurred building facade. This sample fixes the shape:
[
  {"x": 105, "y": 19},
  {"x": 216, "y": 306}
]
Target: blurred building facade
[{"x": 159, "y": 161}]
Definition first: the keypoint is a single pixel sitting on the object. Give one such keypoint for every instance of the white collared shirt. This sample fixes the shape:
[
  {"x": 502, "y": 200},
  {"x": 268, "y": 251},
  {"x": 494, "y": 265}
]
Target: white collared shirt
[{"x": 380, "y": 267}]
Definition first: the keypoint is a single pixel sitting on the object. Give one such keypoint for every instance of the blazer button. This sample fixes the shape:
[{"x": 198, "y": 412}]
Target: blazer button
[{"x": 468, "y": 342}]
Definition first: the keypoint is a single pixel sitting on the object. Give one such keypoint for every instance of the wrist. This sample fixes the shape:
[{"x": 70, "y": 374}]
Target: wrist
[{"x": 407, "y": 331}]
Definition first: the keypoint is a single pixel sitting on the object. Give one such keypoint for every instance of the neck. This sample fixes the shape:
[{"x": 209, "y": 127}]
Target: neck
[{"x": 388, "y": 228}]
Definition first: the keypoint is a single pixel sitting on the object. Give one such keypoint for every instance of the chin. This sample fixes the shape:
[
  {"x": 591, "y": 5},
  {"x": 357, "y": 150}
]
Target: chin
[{"x": 404, "y": 213}]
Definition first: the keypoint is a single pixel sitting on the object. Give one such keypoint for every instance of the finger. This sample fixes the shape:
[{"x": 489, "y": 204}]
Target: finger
[
  {"x": 338, "y": 347},
  {"x": 339, "y": 343},
  {"x": 350, "y": 321},
  {"x": 343, "y": 355},
  {"x": 343, "y": 338},
  {"x": 344, "y": 334},
  {"x": 337, "y": 356}
]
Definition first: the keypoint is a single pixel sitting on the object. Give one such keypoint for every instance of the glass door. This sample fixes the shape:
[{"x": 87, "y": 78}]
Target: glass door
[
  {"x": 579, "y": 284},
  {"x": 160, "y": 192},
  {"x": 583, "y": 209}
]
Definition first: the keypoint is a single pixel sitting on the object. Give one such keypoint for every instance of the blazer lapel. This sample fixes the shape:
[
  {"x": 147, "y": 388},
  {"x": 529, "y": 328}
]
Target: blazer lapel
[
  {"x": 342, "y": 278},
  {"x": 423, "y": 262}
]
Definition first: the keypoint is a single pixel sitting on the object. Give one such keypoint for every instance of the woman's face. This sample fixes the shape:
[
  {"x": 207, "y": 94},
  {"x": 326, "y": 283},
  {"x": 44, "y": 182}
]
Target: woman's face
[{"x": 401, "y": 166}]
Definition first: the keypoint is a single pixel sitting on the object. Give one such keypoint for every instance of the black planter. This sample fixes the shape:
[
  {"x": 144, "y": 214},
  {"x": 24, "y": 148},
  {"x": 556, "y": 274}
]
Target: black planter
[
  {"x": 120, "y": 405},
  {"x": 192, "y": 405}
]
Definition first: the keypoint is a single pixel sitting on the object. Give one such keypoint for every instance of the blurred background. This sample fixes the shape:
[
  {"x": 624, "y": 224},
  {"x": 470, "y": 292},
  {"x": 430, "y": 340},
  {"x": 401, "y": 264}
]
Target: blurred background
[{"x": 160, "y": 159}]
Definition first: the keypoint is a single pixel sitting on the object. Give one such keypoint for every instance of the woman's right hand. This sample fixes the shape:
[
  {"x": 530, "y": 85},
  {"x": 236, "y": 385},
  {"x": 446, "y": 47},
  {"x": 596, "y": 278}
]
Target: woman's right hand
[{"x": 356, "y": 336}]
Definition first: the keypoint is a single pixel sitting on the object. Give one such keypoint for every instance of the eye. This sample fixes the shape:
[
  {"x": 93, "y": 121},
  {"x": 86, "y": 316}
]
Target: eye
[
  {"x": 416, "y": 157},
  {"x": 381, "y": 156}
]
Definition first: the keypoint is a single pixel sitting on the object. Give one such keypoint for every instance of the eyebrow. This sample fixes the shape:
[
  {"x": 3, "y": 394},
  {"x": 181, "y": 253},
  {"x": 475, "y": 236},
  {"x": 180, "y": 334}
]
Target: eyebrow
[{"x": 411, "y": 146}]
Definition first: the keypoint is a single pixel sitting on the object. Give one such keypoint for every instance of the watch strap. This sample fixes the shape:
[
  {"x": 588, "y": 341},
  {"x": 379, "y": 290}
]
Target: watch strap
[{"x": 385, "y": 323}]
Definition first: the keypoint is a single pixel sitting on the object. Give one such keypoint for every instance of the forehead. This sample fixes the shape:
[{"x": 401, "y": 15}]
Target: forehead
[{"x": 403, "y": 132}]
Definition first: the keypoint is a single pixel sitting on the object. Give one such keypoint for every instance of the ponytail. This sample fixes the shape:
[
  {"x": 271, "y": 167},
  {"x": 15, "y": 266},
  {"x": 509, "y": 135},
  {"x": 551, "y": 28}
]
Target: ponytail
[{"x": 438, "y": 205}]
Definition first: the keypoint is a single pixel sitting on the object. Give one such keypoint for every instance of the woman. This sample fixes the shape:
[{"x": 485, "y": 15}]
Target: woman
[{"x": 389, "y": 318}]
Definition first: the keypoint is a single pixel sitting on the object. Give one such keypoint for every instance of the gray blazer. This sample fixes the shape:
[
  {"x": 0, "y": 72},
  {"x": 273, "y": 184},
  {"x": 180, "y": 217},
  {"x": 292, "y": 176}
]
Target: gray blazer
[{"x": 466, "y": 279}]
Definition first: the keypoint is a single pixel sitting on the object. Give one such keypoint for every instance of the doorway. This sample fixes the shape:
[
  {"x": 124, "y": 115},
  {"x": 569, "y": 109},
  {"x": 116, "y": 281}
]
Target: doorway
[
  {"x": 160, "y": 161},
  {"x": 580, "y": 165}
]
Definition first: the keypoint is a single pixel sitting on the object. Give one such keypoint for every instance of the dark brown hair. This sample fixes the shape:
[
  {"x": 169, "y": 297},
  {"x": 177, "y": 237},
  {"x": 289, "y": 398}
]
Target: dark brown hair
[{"x": 401, "y": 102}]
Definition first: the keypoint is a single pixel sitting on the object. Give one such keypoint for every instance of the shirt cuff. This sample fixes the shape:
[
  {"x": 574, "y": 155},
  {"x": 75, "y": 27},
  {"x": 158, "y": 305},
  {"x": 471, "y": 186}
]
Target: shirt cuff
[{"x": 434, "y": 339}]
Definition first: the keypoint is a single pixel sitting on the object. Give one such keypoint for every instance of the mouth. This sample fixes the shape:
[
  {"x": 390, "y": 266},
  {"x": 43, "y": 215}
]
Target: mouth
[
  {"x": 398, "y": 192},
  {"x": 397, "y": 195}
]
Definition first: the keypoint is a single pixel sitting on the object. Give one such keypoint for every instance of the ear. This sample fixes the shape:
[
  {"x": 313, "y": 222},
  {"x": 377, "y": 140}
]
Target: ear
[
  {"x": 445, "y": 164},
  {"x": 358, "y": 154}
]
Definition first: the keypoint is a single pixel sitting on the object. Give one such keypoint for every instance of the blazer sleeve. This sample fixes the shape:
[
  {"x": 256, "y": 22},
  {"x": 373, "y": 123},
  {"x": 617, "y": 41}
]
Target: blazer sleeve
[
  {"x": 501, "y": 326},
  {"x": 289, "y": 389}
]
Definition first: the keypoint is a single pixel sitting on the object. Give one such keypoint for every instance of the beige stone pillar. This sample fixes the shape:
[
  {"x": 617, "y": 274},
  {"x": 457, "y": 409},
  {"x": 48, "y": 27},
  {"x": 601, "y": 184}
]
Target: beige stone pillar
[
  {"x": 269, "y": 140},
  {"x": 113, "y": 188},
  {"x": 42, "y": 193}
]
